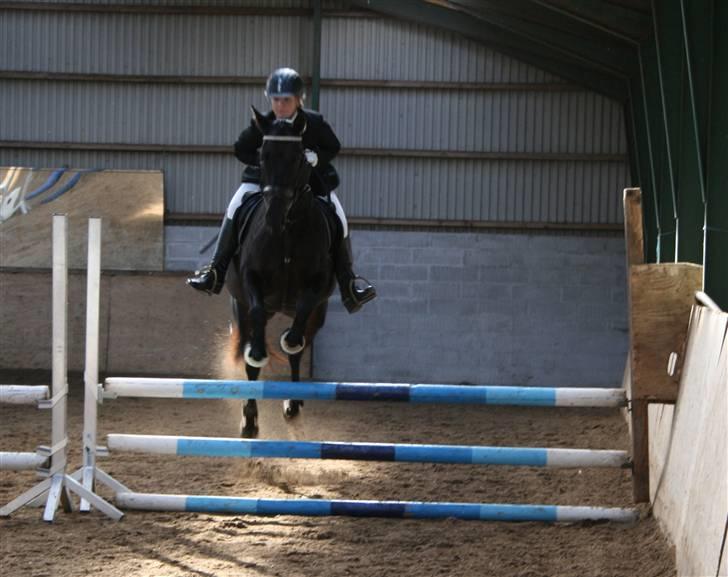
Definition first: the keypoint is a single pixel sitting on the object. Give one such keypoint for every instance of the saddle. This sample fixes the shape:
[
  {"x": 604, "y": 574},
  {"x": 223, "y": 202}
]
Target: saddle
[
  {"x": 254, "y": 200},
  {"x": 333, "y": 223},
  {"x": 245, "y": 214}
]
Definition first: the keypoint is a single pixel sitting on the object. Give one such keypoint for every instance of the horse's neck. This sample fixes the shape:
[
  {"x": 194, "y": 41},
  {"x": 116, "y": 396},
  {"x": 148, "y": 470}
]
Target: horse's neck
[{"x": 303, "y": 213}]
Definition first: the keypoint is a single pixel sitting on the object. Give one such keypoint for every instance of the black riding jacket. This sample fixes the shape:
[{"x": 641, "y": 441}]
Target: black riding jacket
[{"x": 318, "y": 137}]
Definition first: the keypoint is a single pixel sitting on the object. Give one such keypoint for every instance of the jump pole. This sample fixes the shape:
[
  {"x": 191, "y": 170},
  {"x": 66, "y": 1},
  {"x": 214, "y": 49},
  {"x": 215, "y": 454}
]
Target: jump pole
[
  {"x": 14, "y": 461},
  {"x": 22, "y": 395},
  {"x": 453, "y": 454},
  {"x": 390, "y": 392},
  {"x": 392, "y": 509},
  {"x": 58, "y": 485}
]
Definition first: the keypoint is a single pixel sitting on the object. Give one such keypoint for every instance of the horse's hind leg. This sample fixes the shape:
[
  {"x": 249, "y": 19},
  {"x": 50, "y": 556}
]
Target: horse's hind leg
[
  {"x": 291, "y": 408},
  {"x": 249, "y": 421},
  {"x": 256, "y": 354}
]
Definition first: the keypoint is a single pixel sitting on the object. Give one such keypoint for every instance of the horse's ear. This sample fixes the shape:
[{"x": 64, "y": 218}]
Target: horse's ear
[
  {"x": 299, "y": 124},
  {"x": 260, "y": 120}
]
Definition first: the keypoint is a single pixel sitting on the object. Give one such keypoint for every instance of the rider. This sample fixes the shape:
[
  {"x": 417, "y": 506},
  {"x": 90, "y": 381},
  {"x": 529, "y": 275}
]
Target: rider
[{"x": 285, "y": 91}]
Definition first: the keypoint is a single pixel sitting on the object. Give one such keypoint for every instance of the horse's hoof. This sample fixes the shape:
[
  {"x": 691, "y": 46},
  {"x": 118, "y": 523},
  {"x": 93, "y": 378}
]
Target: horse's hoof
[
  {"x": 291, "y": 408},
  {"x": 288, "y": 349},
  {"x": 249, "y": 422},
  {"x": 249, "y": 432},
  {"x": 253, "y": 362}
]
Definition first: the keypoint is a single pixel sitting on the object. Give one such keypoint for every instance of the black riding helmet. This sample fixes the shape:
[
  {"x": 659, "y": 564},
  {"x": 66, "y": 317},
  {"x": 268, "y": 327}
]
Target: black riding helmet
[{"x": 284, "y": 82}]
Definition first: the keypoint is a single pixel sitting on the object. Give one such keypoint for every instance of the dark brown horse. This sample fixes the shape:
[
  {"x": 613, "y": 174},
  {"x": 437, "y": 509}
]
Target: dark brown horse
[{"x": 285, "y": 262}]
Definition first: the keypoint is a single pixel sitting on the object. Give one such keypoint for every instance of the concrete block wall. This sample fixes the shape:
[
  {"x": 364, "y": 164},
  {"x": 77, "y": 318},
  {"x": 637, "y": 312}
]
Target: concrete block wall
[{"x": 475, "y": 307}]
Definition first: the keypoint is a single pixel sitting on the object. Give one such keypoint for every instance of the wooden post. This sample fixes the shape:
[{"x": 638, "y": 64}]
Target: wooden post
[
  {"x": 633, "y": 233},
  {"x": 660, "y": 298},
  {"x": 639, "y": 433}
]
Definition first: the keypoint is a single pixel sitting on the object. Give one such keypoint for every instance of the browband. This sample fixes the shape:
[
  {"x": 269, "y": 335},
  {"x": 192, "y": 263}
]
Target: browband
[{"x": 283, "y": 138}]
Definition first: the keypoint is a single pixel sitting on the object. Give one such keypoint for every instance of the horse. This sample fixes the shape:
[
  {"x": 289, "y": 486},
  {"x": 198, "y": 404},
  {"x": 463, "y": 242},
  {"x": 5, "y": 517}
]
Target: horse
[{"x": 285, "y": 260}]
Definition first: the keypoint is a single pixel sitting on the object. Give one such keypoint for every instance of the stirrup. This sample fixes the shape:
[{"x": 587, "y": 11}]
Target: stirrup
[
  {"x": 206, "y": 280},
  {"x": 355, "y": 297}
]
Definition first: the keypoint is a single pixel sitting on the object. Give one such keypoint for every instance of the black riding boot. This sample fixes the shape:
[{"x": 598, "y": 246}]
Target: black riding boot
[
  {"x": 352, "y": 295},
  {"x": 211, "y": 278}
]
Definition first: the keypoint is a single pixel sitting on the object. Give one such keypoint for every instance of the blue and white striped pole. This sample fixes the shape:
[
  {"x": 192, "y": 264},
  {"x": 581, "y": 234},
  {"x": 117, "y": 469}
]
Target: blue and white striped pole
[
  {"x": 393, "y": 509},
  {"x": 456, "y": 454},
  {"x": 455, "y": 394}
]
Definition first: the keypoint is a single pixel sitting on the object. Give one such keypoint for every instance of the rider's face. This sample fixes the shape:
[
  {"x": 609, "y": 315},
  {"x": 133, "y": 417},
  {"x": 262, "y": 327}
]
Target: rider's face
[{"x": 284, "y": 106}]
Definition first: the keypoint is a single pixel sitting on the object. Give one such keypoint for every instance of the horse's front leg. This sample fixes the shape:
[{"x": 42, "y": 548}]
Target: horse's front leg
[
  {"x": 293, "y": 341},
  {"x": 255, "y": 353}
]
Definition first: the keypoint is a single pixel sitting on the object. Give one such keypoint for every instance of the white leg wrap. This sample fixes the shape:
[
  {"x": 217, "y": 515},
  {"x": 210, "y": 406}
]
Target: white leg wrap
[
  {"x": 243, "y": 189},
  {"x": 340, "y": 213}
]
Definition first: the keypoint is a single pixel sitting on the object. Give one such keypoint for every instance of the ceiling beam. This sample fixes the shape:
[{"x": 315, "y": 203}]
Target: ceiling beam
[
  {"x": 534, "y": 23},
  {"x": 630, "y": 24},
  {"x": 541, "y": 56}
]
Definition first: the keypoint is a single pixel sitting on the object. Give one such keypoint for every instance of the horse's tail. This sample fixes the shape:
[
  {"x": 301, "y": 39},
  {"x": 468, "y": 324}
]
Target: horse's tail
[{"x": 235, "y": 345}]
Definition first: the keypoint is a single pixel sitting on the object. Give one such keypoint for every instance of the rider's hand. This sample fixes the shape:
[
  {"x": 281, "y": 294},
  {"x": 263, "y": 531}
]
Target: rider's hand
[{"x": 311, "y": 157}]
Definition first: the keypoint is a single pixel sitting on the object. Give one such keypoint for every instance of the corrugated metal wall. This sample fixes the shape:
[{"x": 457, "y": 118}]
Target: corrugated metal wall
[
  {"x": 152, "y": 44},
  {"x": 387, "y": 49},
  {"x": 521, "y": 153}
]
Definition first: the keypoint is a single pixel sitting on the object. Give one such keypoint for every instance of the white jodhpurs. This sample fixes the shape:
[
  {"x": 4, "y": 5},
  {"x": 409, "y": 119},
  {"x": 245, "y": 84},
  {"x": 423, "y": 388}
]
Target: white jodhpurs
[
  {"x": 239, "y": 196},
  {"x": 250, "y": 187},
  {"x": 340, "y": 213}
]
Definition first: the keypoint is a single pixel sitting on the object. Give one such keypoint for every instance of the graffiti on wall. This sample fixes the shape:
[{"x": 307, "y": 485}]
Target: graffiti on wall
[{"x": 16, "y": 196}]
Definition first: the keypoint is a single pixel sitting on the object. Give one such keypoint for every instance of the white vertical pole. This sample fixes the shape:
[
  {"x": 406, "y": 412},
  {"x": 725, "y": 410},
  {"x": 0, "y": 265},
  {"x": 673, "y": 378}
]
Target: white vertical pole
[
  {"x": 59, "y": 363},
  {"x": 91, "y": 371},
  {"x": 58, "y": 486}
]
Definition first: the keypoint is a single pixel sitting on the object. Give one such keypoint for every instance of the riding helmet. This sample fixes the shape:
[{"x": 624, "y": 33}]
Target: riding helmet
[{"x": 284, "y": 82}]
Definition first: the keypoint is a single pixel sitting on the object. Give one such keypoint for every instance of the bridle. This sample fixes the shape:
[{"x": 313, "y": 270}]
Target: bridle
[{"x": 299, "y": 187}]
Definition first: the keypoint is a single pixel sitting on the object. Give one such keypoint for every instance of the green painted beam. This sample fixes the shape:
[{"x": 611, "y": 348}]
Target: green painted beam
[
  {"x": 697, "y": 34},
  {"x": 683, "y": 151},
  {"x": 619, "y": 21},
  {"x": 698, "y": 45},
  {"x": 543, "y": 57},
  {"x": 536, "y": 24},
  {"x": 716, "y": 237},
  {"x": 690, "y": 206},
  {"x": 633, "y": 154},
  {"x": 669, "y": 55},
  {"x": 316, "y": 56},
  {"x": 643, "y": 146},
  {"x": 666, "y": 209}
]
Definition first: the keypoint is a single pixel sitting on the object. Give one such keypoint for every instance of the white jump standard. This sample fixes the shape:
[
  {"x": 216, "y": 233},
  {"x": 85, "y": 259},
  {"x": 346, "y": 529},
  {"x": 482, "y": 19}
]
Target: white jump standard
[{"x": 57, "y": 485}]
